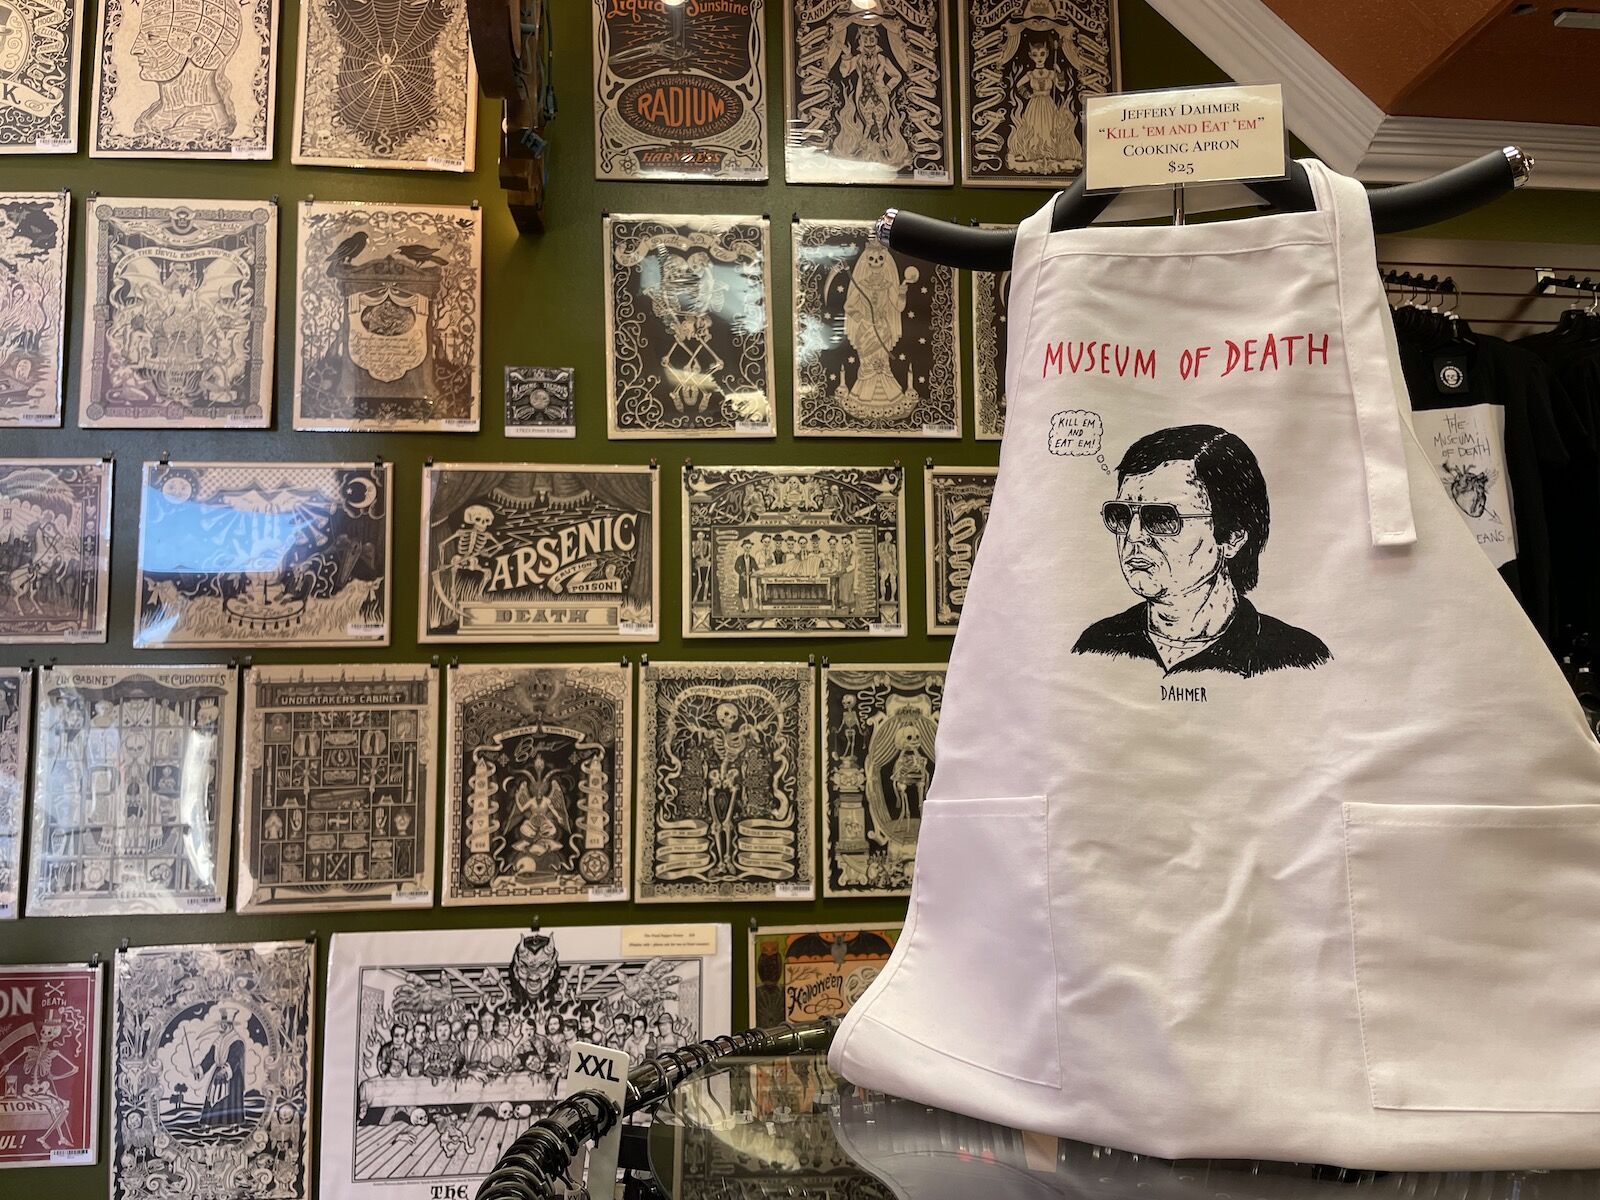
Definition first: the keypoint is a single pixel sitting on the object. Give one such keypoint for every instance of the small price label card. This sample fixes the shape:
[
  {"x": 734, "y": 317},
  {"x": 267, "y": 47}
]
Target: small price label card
[{"x": 1184, "y": 135}]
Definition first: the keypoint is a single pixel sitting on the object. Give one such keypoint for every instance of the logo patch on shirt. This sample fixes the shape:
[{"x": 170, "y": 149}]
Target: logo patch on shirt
[{"x": 1450, "y": 374}]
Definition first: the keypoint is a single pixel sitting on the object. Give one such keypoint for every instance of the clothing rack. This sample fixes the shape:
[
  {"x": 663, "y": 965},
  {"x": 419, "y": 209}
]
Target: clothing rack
[
  {"x": 1545, "y": 279},
  {"x": 1498, "y": 288},
  {"x": 1428, "y": 286}
]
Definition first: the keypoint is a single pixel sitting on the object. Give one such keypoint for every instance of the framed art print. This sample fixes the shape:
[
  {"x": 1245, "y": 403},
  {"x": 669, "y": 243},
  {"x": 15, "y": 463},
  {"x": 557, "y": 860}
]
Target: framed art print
[
  {"x": 132, "y": 790},
  {"x": 539, "y": 552},
  {"x": 211, "y": 1071},
  {"x": 540, "y": 403},
  {"x": 991, "y": 330},
  {"x": 39, "y": 77},
  {"x": 866, "y": 95},
  {"x": 793, "y": 551},
  {"x": 444, "y": 1045},
  {"x": 263, "y": 553},
  {"x": 182, "y": 299},
  {"x": 956, "y": 512},
  {"x": 16, "y": 712},
  {"x": 389, "y": 317},
  {"x": 33, "y": 304},
  {"x": 878, "y": 728},
  {"x": 806, "y": 972},
  {"x": 1026, "y": 66},
  {"x": 338, "y": 768},
  {"x": 538, "y": 784},
  {"x": 726, "y": 799},
  {"x": 188, "y": 79},
  {"x": 688, "y": 324},
  {"x": 50, "y": 1060},
  {"x": 55, "y": 549},
  {"x": 385, "y": 85},
  {"x": 876, "y": 349},
  {"x": 680, "y": 90}
]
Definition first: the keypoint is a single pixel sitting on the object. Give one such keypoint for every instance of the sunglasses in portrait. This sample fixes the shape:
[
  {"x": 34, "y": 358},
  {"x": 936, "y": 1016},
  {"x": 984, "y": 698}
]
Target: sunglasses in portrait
[{"x": 1162, "y": 520}]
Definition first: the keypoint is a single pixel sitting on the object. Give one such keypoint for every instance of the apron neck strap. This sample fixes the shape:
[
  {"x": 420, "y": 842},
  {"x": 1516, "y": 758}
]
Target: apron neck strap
[
  {"x": 1367, "y": 339},
  {"x": 1027, "y": 259}
]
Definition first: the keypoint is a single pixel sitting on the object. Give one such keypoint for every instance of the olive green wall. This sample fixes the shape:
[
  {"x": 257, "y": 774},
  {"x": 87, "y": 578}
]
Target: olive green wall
[{"x": 542, "y": 305}]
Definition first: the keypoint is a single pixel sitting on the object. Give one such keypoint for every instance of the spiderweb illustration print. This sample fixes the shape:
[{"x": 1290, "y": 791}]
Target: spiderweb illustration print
[{"x": 387, "y": 72}]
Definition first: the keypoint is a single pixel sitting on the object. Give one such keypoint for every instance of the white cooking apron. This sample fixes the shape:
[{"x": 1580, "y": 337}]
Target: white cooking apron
[{"x": 1263, "y": 825}]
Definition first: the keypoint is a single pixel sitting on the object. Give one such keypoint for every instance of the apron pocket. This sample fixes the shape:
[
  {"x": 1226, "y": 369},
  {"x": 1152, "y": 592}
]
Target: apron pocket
[
  {"x": 977, "y": 976},
  {"x": 1477, "y": 954}
]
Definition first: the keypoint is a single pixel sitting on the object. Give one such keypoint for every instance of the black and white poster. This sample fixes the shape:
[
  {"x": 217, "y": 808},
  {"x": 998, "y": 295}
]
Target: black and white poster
[
  {"x": 337, "y": 807},
  {"x": 540, "y": 403},
  {"x": 389, "y": 317},
  {"x": 527, "y": 552},
  {"x": 39, "y": 76},
  {"x": 957, "y": 503},
  {"x": 1026, "y": 66},
  {"x": 185, "y": 79},
  {"x": 688, "y": 322},
  {"x": 211, "y": 1071},
  {"x": 793, "y": 551},
  {"x": 539, "y": 786},
  {"x": 726, "y": 800},
  {"x": 876, "y": 350},
  {"x": 866, "y": 93},
  {"x": 55, "y": 549},
  {"x": 33, "y": 304},
  {"x": 16, "y": 708},
  {"x": 878, "y": 729},
  {"x": 132, "y": 790},
  {"x": 443, "y": 1046},
  {"x": 385, "y": 84},
  {"x": 991, "y": 330},
  {"x": 264, "y": 553},
  {"x": 182, "y": 297},
  {"x": 680, "y": 89}
]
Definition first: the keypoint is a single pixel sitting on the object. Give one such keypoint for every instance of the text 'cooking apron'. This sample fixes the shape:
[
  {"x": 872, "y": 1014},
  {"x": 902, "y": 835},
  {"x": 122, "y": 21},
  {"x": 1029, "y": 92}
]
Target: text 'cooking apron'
[{"x": 1264, "y": 826}]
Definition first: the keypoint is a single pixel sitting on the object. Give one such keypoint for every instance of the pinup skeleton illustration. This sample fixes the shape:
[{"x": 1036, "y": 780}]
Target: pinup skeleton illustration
[
  {"x": 49, "y": 1064},
  {"x": 1190, "y": 520}
]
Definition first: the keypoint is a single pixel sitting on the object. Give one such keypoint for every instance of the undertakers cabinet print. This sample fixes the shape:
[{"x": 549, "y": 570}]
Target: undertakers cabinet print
[
  {"x": 680, "y": 90},
  {"x": 867, "y": 97},
  {"x": 991, "y": 300},
  {"x": 793, "y": 551},
  {"x": 211, "y": 1071},
  {"x": 539, "y": 789},
  {"x": 385, "y": 83},
  {"x": 546, "y": 553},
  {"x": 726, "y": 807},
  {"x": 132, "y": 790},
  {"x": 55, "y": 549},
  {"x": 181, "y": 303},
  {"x": 389, "y": 317},
  {"x": 39, "y": 76},
  {"x": 16, "y": 706},
  {"x": 956, "y": 504},
  {"x": 876, "y": 351},
  {"x": 33, "y": 304},
  {"x": 338, "y": 802},
  {"x": 50, "y": 1061},
  {"x": 1026, "y": 66},
  {"x": 688, "y": 326},
  {"x": 185, "y": 79},
  {"x": 263, "y": 553},
  {"x": 878, "y": 728},
  {"x": 444, "y": 1046}
]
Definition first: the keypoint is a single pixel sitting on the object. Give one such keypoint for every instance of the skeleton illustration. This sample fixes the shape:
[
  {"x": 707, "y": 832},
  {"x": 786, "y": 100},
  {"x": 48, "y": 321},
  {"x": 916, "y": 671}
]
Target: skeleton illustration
[
  {"x": 465, "y": 551},
  {"x": 874, "y": 309},
  {"x": 687, "y": 295}
]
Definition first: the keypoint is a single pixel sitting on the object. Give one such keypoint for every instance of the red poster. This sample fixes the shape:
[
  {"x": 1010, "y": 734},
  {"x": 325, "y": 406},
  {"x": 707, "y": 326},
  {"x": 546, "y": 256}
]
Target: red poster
[{"x": 49, "y": 1065}]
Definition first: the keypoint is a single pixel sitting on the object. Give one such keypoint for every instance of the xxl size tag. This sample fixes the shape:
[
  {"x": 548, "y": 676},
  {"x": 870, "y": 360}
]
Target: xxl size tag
[
  {"x": 1184, "y": 135},
  {"x": 599, "y": 1069}
]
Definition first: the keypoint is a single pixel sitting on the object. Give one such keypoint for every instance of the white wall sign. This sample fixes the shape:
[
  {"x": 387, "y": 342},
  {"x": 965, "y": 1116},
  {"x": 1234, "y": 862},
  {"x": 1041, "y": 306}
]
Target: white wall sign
[{"x": 1184, "y": 135}]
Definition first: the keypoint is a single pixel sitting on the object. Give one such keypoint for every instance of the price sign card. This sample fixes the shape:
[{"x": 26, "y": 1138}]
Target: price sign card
[{"x": 1185, "y": 135}]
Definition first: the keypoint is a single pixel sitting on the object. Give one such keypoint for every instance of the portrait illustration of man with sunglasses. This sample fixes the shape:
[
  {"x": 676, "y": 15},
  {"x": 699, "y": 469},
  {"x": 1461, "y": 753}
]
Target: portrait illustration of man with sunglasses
[{"x": 1190, "y": 520}]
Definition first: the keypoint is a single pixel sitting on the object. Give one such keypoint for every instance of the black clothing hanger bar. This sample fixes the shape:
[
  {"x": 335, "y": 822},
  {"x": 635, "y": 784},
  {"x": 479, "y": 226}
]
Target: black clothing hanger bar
[
  {"x": 1547, "y": 280},
  {"x": 1404, "y": 206}
]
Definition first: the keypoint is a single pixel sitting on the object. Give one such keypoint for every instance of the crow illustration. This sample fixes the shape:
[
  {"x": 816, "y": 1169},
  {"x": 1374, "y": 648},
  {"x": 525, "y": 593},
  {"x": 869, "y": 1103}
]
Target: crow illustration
[
  {"x": 347, "y": 251},
  {"x": 422, "y": 255}
]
